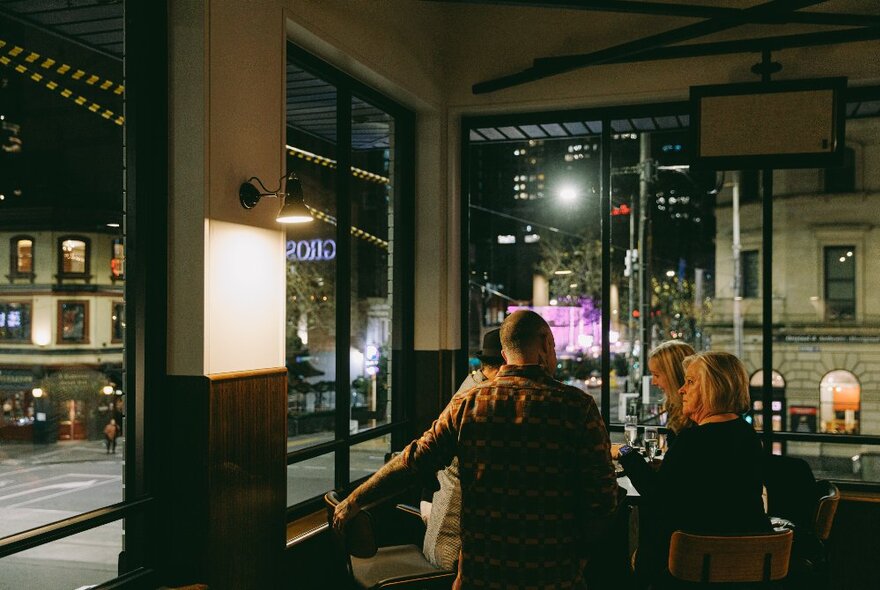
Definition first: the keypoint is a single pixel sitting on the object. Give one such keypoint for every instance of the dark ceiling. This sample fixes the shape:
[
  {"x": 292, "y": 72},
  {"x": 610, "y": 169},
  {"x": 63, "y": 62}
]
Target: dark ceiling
[{"x": 311, "y": 103}]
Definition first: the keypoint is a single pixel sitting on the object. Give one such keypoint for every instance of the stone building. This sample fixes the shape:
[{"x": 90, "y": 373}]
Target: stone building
[{"x": 826, "y": 275}]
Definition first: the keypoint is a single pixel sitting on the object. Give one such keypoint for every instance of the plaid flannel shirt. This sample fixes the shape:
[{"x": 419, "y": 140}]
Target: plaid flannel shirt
[{"x": 536, "y": 476}]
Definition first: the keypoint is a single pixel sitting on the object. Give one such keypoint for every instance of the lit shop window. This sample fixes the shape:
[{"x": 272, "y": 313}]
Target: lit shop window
[
  {"x": 117, "y": 259},
  {"x": 840, "y": 395},
  {"x": 15, "y": 321}
]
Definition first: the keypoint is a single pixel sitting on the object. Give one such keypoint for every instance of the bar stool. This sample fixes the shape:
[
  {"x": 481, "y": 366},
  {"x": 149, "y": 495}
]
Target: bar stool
[{"x": 706, "y": 559}]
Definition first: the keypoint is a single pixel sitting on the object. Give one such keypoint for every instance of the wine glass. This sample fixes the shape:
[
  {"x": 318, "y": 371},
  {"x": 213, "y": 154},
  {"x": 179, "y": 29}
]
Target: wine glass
[
  {"x": 631, "y": 429},
  {"x": 652, "y": 442}
]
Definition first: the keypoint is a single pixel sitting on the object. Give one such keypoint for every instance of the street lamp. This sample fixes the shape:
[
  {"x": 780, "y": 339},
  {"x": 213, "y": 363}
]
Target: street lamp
[{"x": 568, "y": 193}]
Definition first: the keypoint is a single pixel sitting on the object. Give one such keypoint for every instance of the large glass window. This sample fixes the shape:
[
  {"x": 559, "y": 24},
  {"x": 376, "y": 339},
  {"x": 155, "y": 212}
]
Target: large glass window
[
  {"x": 535, "y": 236},
  {"x": 688, "y": 259},
  {"x": 62, "y": 209},
  {"x": 345, "y": 295}
]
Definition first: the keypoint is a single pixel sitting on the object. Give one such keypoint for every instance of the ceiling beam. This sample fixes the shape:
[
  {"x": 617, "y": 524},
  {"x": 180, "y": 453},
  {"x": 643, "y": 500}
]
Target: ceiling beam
[
  {"x": 685, "y": 11},
  {"x": 755, "y": 45},
  {"x": 551, "y": 66}
]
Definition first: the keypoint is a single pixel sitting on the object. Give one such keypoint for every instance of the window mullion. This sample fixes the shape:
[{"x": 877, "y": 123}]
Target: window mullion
[{"x": 343, "y": 279}]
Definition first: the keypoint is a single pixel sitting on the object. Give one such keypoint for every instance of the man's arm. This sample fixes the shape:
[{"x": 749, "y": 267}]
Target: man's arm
[{"x": 426, "y": 455}]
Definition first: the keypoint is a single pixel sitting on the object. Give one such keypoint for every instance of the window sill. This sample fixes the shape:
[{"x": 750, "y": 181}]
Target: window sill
[{"x": 306, "y": 527}]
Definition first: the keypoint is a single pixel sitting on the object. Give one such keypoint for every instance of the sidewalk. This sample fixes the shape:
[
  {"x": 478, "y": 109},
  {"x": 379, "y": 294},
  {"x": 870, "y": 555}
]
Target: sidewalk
[{"x": 77, "y": 451}]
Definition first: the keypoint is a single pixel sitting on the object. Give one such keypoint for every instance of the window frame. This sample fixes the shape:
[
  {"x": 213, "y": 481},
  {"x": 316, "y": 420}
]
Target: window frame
[
  {"x": 14, "y": 273},
  {"x": 146, "y": 181},
  {"x": 402, "y": 342},
  {"x": 86, "y": 273}
]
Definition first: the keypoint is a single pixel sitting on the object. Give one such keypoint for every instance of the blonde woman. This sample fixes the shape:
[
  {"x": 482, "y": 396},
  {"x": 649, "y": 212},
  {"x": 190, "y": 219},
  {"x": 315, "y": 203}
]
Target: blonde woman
[
  {"x": 667, "y": 373},
  {"x": 710, "y": 481}
]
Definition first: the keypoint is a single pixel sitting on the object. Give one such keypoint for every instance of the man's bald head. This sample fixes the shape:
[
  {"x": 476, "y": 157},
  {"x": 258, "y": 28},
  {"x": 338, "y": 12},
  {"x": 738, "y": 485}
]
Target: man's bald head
[{"x": 526, "y": 339}]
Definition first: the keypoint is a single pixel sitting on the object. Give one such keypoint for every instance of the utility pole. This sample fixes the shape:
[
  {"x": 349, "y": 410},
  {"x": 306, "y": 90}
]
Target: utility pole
[
  {"x": 646, "y": 173},
  {"x": 737, "y": 272}
]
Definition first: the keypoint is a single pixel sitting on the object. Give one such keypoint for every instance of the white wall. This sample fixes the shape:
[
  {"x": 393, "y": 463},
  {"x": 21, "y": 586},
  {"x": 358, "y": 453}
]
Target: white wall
[{"x": 226, "y": 273}]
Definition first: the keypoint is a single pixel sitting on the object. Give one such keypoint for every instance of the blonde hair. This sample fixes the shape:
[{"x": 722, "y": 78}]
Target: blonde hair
[
  {"x": 669, "y": 357},
  {"x": 723, "y": 380}
]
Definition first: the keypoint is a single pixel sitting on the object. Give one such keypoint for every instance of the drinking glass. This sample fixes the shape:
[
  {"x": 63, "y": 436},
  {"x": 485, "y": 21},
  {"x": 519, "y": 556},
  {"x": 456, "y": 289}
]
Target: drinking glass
[
  {"x": 652, "y": 442},
  {"x": 631, "y": 429}
]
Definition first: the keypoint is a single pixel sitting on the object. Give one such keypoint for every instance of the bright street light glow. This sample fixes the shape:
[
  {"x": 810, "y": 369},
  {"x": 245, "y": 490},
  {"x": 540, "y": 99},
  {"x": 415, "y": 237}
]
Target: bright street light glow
[
  {"x": 562, "y": 272},
  {"x": 670, "y": 273},
  {"x": 568, "y": 193}
]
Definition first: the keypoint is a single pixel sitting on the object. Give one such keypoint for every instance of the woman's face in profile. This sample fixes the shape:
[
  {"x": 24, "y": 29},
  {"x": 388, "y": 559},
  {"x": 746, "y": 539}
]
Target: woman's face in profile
[
  {"x": 691, "y": 393},
  {"x": 657, "y": 378}
]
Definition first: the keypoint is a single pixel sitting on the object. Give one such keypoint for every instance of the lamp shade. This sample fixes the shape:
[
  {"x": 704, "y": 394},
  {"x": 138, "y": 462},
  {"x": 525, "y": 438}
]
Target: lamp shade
[{"x": 293, "y": 208}]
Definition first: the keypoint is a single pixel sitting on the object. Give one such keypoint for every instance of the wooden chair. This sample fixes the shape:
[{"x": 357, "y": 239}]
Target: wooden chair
[
  {"x": 372, "y": 567},
  {"x": 729, "y": 559},
  {"x": 829, "y": 498}
]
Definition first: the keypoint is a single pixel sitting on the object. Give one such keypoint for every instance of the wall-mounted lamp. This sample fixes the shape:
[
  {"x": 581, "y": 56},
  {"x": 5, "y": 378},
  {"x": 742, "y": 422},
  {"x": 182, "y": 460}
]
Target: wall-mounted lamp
[
  {"x": 108, "y": 390},
  {"x": 293, "y": 207},
  {"x": 37, "y": 392}
]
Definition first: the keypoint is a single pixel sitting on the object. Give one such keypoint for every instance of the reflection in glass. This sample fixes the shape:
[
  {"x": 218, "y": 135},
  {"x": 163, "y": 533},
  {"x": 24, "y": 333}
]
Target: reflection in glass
[
  {"x": 372, "y": 220},
  {"x": 311, "y": 265},
  {"x": 310, "y": 478}
]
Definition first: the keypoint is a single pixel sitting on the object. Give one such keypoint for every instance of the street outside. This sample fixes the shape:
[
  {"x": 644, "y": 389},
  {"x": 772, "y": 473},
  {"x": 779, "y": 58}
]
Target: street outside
[{"x": 40, "y": 484}]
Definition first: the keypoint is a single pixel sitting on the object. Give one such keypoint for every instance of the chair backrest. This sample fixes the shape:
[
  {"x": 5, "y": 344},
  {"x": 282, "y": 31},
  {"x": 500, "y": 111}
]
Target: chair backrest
[
  {"x": 829, "y": 498},
  {"x": 751, "y": 558},
  {"x": 790, "y": 490},
  {"x": 357, "y": 539}
]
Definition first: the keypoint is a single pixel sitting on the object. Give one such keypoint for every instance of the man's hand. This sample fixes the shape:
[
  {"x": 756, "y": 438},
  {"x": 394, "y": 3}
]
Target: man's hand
[{"x": 345, "y": 511}]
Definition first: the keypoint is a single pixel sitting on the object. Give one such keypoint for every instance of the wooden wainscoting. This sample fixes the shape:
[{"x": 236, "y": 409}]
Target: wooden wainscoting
[{"x": 224, "y": 494}]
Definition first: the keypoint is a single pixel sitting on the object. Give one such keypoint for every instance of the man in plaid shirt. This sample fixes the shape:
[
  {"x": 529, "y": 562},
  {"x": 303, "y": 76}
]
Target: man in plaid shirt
[{"x": 538, "y": 485}]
